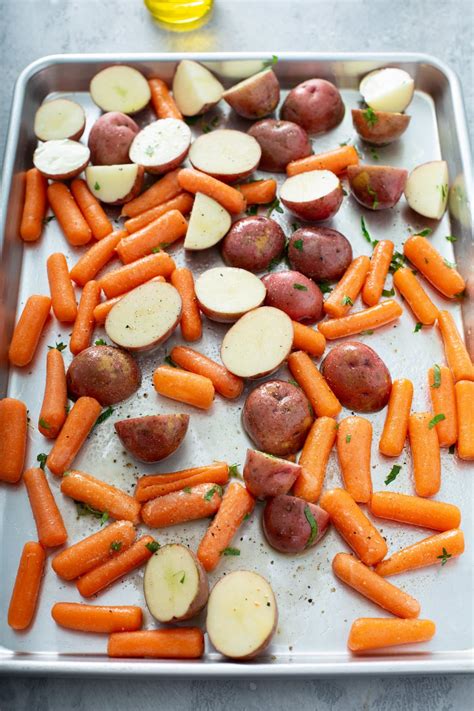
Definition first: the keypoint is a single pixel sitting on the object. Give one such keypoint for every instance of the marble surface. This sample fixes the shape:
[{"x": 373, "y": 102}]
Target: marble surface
[{"x": 32, "y": 28}]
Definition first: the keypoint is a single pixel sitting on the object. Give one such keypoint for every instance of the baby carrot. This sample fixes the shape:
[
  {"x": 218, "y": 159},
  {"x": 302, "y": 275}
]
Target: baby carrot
[
  {"x": 396, "y": 421},
  {"x": 314, "y": 458},
  {"x": 79, "y": 423},
  {"x": 97, "y": 618},
  {"x": 431, "y": 264},
  {"x": 153, "y": 485},
  {"x": 162, "y": 101},
  {"x": 322, "y": 399},
  {"x": 456, "y": 353},
  {"x": 155, "y": 236},
  {"x": 27, "y": 584},
  {"x": 129, "y": 276},
  {"x": 28, "y": 330},
  {"x": 307, "y": 339},
  {"x": 361, "y": 578},
  {"x": 378, "y": 270},
  {"x": 225, "y": 383},
  {"x": 96, "y": 258},
  {"x": 443, "y": 399},
  {"x": 182, "y": 202},
  {"x": 93, "y": 550},
  {"x": 67, "y": 212},
  {"x": 429, "y": 551},
  {"x": 464, "y": 390},
  {"x": 342, "y": 297},
  {"x": 34, "y": 207},
  {"x": 260, "y": 192},
  {"x": 63, "y": 298},
  {"x": 183, "y": 386},
  {"x": 180, "y": 506},
  {"x": 166, "y": 188},
  {"x": 49, "y": 522},
  {"x": 368, "y": 319},
  {"x": 416, "y": 297},
  {"x": 414, "y": 510},
  {"x": 337, "y": 161},
  {"x": 354, "y": 439},
  {"x": 107, "y": 573},
  {"x": 13, "y": 428},
  {"x": 376, "y": 633},
  {"x": 191, "y": 322},
  {"x": 354, "y": 526},
  {"x": 425, "y": 455},
  {"x": 91, "y": 208},
  {"x": 172, "y": 643},
  {"x": 236, "y": 504},
  {"x": 101, "y": 496},
  {"x": 84, "y": 324},
  {"x": 196, "y": 182}
]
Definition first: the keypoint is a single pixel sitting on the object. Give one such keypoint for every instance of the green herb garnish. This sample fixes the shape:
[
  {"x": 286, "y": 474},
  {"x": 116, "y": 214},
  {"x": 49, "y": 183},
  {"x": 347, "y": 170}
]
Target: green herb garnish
[
  {"x": 116, "y": 545},
  {"x": 246, "y": 517},
  {"x": 41, "y": 458},
  {"x": 270, "y": 62},
  {"x": 58, "y": 346},
  {"x": 373, "y": 194},
  {"x": 298, "y": 244},
  {"x": 444, "y": 191},
  {"x": 370, "y": 116},
  {"x": 104, "y": 416},
  {"x": 295, "y": 226},
  {"x": 437, "y": 418},
  {"x": 398, "y": 261},
  {"x": 216, "y": 489},
  {"x": 84, "y": 509},
  {"x": 152, "y": 546},
  {"x": 347, "y": 301},
  {"x": 234, "y": 471},
  {"x": 313, "y": 525},
  {"x": 300, "y": 287},
  {"x": 418, "y": 327},
  {"x": 436, "y": 376},
  {"x": 348, "y": 438},
  {"x": 450, "y": 265},
  {"x": 451, "y": 238},
  {"x": 394, "y": 472},
  {"x": 169, "y": 361},
  {"x": 388, "y": 292},
  {"x": 182, "y": 578},
  {"x": 444, "y": 557},
  {"x": 366, "y": 333},
  {"x": 149, "y": 151},
  {"x": 374, "y": 154},
  {"x": 275, "y": 205},
  {"x": 230, "y": 551},
  {"x": 100, "y": 342},
  {"x": 104, "y": 518},
  {"x": 252, "y": 210},
  {"x": 155, "y": 250},
  {"x": 96, "y": 185},
  {"x": 325, "y": 287},
  {"x": 187, "y": 489},
  {"x": 424, "y": 233},
  {"x": 365, "y": 231},
  {"x": 43, "y": 423},
  {"x": 47, "y": 220}
]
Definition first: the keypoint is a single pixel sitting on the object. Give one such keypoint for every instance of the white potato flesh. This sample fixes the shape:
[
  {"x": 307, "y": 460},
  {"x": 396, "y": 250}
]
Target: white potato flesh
[
  {"x": 237, "y": 68},
  {"x": 162, "y": 145},
  {"x": 59, "y": 118},
  {"x": 427, "y": 187},
  {"x": 61, "y": 159},
  {"x": 225, "y": 293},
  {"x": 208, "y": 223},
  {"x": 387, "y": 89},
  {"x": 305, "y": 187},
  {"x": 227, "y": 153},
  {"x": 258, "y": 343},
  {"x": 241, "y": 614},
  {"x": 110, "y": 183},
  {"x": 144, "y": 317},
  {"x": 120, "y": 88},
  {"x": 195, "y": 89}
]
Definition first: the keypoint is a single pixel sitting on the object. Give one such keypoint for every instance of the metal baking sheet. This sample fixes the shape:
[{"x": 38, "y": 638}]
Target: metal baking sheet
[{"x": 316, "y": 611}]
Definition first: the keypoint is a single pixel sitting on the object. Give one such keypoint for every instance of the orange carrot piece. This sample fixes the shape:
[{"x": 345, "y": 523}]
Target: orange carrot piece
[
  {"x": 153, "y": 485},
  {"x": 354, "y": 526},
  {"x": 79, "y": 422},
  {"x": 183, "y": 386},
  {"x": 97, "y": 618},
  {"x": 236, "y": 504},
  {"x": 431, "y": 264},
  {"x": 114, "y": 568},
  {"x": 456, "y": 353},
  {"x": 429, "y": 551},
  {"x": 157, "y": 235},
  {"x": 260, "y": 192},
  {"x": 162, "y": 101},
  {"x": 464, "y": 390},
  {"x": 377, "y": 633},
  {"x": 27, "y": 584},
  {"x": 307, "y": 339},
  {"x": 322, "y": 399},
  {"x": 443, "y": 400},
  {"x": 129, "y": 276},
  {"x": 371, "y": 318},
  {"x": 103, "y": 309},
  {"x": 425, "y": 455},
  {"x": 28, "y": 330},
  {"x": 13, "y": 428},
  {"x": 166, "y": 188},
  {"x": 63, "y": 298},
  {"x": 91, "y": 209},
  {"x": 71, "y": 221},
  {"x": 173, "y": 643},
  {"x": 337, "y": 161},
  {"x": 101, "y": 496},
  {"x": 182, "y": 202},
  {"x": 225, "y": 383},
  {"x": 191, "y": 321},
  {"x": 416, "y": 297},
  {"x": 414, "y": 510},
  {"x": 354, "y": 439},
  {"x": 343, "y": 296},
  {"x": 49, "y": 522},
  {"x": 378, "y": 270},
  {"x": 84, "y": 324},
  {"x": 314, "y": 459},
  {"x": 96, "y": 258},
  {"x": 34, "y": 207},
  {"x": 196, "y": 182},
  {"x": 396, "y": 421},
  {"x": 181, "y": 506},
  {"x": 372, "y": 586},
  {"x": 93, "y": 550}
]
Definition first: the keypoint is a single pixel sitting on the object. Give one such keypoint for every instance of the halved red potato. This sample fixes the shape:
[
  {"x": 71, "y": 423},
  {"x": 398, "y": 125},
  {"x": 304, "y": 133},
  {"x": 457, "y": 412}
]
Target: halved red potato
[
  {"x": 110, "y": 138},
  {"x": 266, "y": 475},
  {"x": 115, "y": 184},
  {"x": 226, "y": 293},
  {"x": 377, "y": 187},
  {"x": 427, "y": 189},
  {"x": 256, "y": 96},
  {"x": 152, "y": 438},
  {"x": 379, "y": 127},
  {"x": 388, "y": 89},
  {"x": 120, "y": 88},
  {"x": 161, "y": 146},
  {"x": 61, "y": 159},
  {"x": 195, "y": 89},
  {"x": 225, "y": 154},
  {"x": 293, "y": 525},
  {"x": 59, "y": 118},
  {"x": 315, "y": 195},
  {"x": 242, "y": 614},
  {"x": 208, "y": 223}
]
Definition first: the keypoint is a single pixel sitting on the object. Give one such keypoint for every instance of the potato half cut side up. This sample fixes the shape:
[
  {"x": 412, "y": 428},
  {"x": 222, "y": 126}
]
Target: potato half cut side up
[
  {"x": 161, "y": 146},
  {"x": 226, "y": 293},
  {"x": 120, "y": 88},
  {"x": 59, "y": 118},
  {"x": 225, "y": 154},
  {"x": 61, "y": 159},
  {"x": 208, "y": 223},
  {"x": 315, "y": 195}
]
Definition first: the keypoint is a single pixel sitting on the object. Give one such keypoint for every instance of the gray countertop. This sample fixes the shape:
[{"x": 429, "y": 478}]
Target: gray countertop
[{"x": 32, "y": 28}]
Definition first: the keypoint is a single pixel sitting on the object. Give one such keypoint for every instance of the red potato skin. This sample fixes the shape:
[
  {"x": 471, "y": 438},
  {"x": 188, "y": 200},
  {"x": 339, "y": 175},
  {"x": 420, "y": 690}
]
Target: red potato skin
[
  {"x": 286, "y": 527},
  {"x": 318, "y": 210},
  {"x": 295, "y": 294},
  {"x": 377, "y": 187},
  {"x": 281, "y": 142},
  {"x": 319, "y": 253},
  {"x": 105, "y": 373},
  {"x": 110, "y": 138},
  {"x": 266, "y": 476},
  {"x": 384, "y": 128},
  {"x": 252, "y": 243},
  {"x": 315, "y": 104},
  {"x": 255, "y": 99},
  {"x": 153, "y": 437}
]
